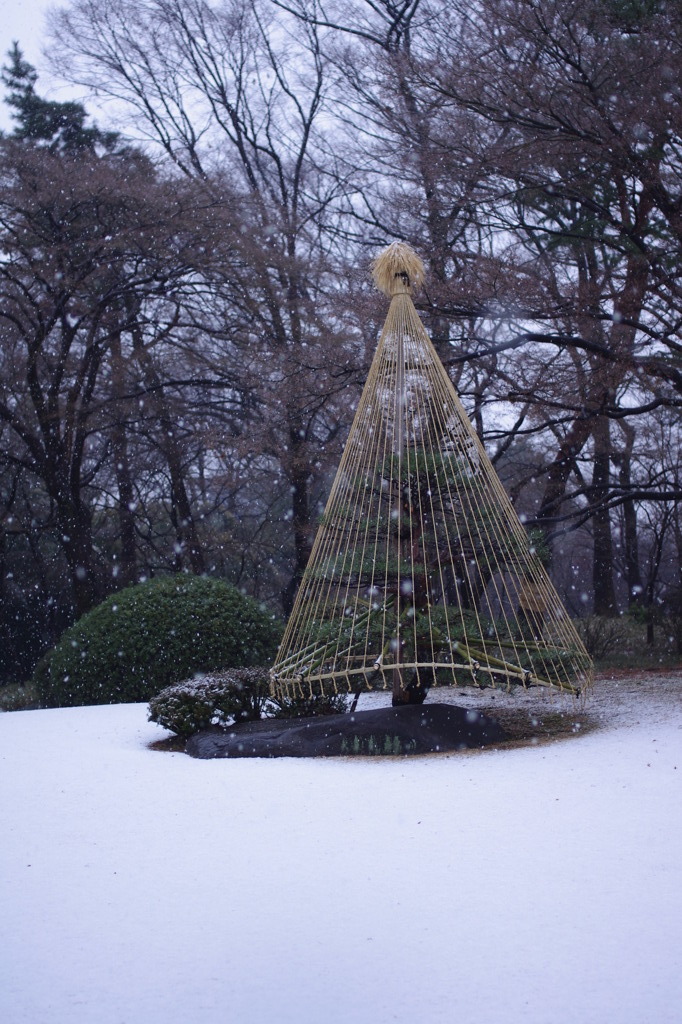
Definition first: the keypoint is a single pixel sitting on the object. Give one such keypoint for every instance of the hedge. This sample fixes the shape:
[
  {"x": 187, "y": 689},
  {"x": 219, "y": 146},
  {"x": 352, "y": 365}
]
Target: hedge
[{"x": 151, "y": 635}]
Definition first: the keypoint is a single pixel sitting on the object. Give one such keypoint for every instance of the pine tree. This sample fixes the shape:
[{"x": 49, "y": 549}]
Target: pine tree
[
  {"x": 421, "y": 573},
  {"x": 61, "y": 126}
]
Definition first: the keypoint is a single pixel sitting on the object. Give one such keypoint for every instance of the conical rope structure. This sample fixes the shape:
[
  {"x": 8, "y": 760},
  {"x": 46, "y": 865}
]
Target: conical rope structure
[{"x": 421, "y": 573}]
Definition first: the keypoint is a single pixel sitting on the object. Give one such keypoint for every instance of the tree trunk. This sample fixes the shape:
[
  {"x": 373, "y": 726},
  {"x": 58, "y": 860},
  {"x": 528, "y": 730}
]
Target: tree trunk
[
  {"x": 75, "y": 526},
  {"x": 677, "y": 527},
  {"x": 558, "y": 474},
  {"x": 602, "y": 564},
  {"x": 299, "y": 475},
  {"x": 633, "y": 574},
  {"x": 124, "y": 480},
  {"x": 414, "y": 690},
  {"x": 187, "y": 537}
]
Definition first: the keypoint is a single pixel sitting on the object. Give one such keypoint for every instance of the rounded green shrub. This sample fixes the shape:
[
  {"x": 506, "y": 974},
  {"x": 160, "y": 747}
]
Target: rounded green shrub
[{"x": 148, "y": 636}]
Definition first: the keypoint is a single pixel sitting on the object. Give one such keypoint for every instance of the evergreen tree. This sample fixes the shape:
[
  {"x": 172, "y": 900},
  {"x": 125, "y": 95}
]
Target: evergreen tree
[{"x": 61, "y": 126}]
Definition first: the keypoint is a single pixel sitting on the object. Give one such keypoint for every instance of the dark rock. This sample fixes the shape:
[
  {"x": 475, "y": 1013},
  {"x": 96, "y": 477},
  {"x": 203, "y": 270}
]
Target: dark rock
[{"x": 411, "y": 729}]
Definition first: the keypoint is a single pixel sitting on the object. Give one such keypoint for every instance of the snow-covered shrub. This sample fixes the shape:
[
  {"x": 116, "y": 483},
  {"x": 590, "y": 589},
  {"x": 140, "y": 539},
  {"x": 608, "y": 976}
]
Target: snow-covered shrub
[
  {"x": 236, "y": 695},
  {"x": 151, "y": 635}
]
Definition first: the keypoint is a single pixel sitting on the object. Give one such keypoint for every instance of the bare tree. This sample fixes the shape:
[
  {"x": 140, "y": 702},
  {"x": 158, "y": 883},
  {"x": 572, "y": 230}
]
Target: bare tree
[
  {"x": 86, "y": 240},
  {"x": 566, "y": 112},
  {"x": 225, "y": 93},
  {"x": 530, "y": 151}
]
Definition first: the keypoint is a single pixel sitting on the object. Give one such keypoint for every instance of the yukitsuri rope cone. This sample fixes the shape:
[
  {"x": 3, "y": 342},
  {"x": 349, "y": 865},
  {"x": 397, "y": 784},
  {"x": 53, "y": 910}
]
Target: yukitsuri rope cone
[{"x": 421, "y": 573}]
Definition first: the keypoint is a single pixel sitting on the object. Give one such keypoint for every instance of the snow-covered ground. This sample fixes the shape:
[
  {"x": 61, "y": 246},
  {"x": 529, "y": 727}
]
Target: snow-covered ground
[{"x": 536, "y": 885}]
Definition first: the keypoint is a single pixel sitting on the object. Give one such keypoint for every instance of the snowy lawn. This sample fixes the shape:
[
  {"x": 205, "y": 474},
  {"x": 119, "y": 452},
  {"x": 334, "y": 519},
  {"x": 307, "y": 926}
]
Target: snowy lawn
[{"x": 536, "y": 885}]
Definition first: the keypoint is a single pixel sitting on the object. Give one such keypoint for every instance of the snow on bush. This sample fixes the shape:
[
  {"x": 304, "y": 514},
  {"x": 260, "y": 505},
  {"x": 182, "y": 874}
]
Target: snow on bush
[{"x": 237, "y": 695}]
